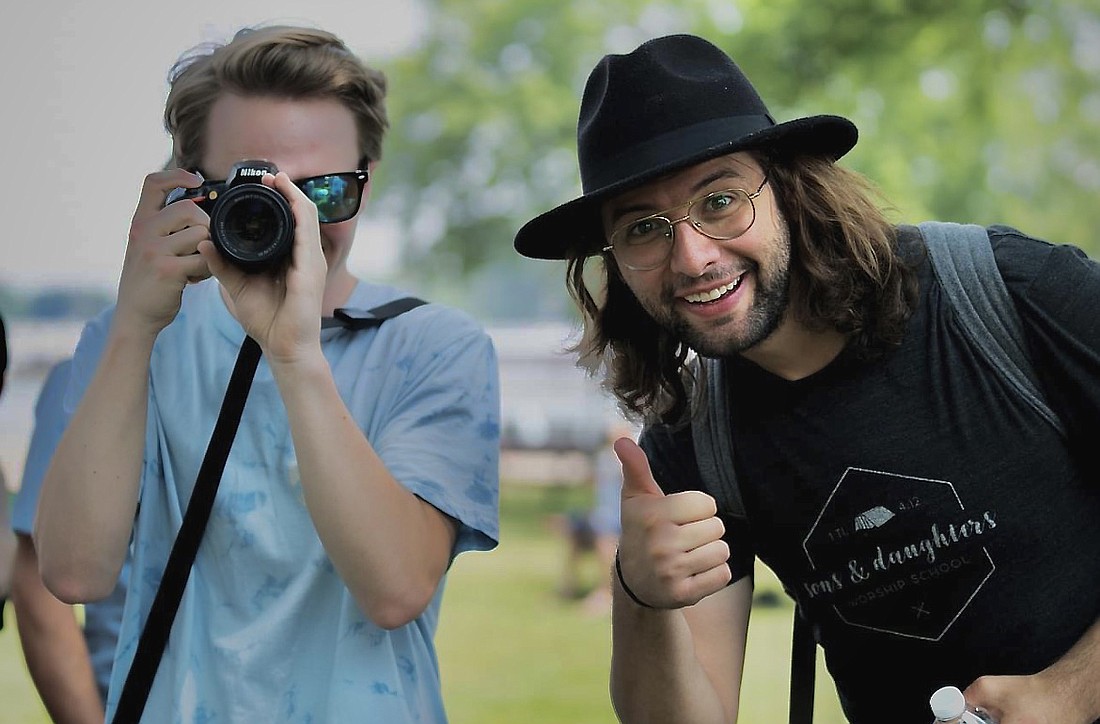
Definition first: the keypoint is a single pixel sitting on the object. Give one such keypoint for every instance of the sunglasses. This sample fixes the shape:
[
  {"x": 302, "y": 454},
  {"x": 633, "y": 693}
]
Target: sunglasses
[{"x": 336, "y": 195}]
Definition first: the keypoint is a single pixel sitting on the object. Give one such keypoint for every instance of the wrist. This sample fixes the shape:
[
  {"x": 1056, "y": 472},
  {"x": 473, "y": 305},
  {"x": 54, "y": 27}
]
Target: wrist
[
  {"x": 302, "y": 365},
  {"x": 1072, "y": 685},
  {"x": 626, "y": 589},
  {"x": 130, "y": 331}
]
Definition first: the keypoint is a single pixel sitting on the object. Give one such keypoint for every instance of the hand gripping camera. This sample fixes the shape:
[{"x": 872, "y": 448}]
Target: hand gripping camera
[{"x": 250, "y": 224}]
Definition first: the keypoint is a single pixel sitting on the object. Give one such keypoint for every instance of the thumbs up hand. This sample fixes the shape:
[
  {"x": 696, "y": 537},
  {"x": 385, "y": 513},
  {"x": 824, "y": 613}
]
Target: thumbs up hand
[{"x": 671, "y": 551}]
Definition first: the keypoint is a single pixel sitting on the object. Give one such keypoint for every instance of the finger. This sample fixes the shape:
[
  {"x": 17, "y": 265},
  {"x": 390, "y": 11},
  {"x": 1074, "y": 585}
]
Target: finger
[
  {"x": 690, "y": 506},
  {"x": 184, "y": 242},
  {"x": 304, "y": 210},
  {"x": 195, "y": 268},
  {"x": 155, "y": 188},
  {"x": 985, "y": 693},
  {"x": 693, "y": 534},
  {"x": 158, "y": 229},
  {"x": 701, "y": 585},
  {"x": 307, "y": 236},
  {"x": 712, "y": 554},
  {"x": 637, "y": 476},
  {"x": 178, "y": 269},
  {"x": 228, "y": 274}
]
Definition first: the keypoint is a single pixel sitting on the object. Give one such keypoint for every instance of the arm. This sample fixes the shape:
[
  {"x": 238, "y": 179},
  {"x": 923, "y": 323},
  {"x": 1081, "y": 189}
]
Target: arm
[
  {"x": 1056, "y": 289},
  {"x": 389, "y": 546},
  {"x": 680, "y": 661},
  {"x": 1066, "y": 691},
  {"x": 680, "y": 665},
  {"x": 90, "y": 492},
  {"x": 53, "y": 645}
]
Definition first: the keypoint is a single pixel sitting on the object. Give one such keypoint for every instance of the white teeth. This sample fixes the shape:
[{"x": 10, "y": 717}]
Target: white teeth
[{"x": 713, "y": 293}]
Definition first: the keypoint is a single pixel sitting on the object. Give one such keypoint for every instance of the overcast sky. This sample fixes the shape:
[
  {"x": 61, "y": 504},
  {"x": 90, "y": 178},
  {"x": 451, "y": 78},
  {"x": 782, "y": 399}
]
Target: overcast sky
[{"x": 83, "y": 87}]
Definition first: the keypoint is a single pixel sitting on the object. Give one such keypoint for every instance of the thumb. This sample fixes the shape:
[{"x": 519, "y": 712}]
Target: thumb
[{"x": 637, "y": 476}]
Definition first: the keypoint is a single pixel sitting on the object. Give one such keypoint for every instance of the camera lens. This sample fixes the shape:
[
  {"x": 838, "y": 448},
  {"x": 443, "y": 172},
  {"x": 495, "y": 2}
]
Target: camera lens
[{"x": 252, "y": 226}]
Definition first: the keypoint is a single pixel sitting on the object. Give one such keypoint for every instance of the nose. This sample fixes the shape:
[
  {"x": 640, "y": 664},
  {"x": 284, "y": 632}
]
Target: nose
[{"x": 692, "y": 250}]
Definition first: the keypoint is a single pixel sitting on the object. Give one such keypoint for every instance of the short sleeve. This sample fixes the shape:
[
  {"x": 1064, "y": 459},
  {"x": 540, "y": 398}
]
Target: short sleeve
[
  {"x": 442, "y": 437},
  {"x": 1056, "y": 288},
  {"x": 49, "y": 424}
]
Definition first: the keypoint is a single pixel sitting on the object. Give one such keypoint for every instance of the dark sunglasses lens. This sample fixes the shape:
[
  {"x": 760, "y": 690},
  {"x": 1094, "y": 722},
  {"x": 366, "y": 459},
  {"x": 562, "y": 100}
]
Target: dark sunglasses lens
[{"x": 336, "y": 196}]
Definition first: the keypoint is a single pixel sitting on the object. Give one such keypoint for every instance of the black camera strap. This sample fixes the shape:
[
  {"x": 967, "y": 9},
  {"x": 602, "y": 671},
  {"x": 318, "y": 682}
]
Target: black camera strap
[{"x": 158, "y": 626}]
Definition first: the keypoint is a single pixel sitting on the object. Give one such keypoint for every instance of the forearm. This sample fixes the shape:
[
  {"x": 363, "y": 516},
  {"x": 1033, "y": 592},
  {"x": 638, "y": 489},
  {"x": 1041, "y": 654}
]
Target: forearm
[
  {"x": 53, "y": 646},
  {"x": 657, "y": 668},
  {"x": 89, "y": 494},
  {"x": 1075, "y": 675},
  {"x": 390, "y": 547}
]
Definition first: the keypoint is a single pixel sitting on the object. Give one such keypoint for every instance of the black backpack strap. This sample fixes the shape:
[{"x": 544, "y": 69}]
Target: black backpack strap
[
  {"x": 713, "y": 442},
  {"x": 354, "y": 318},
  {"x": 162, "y": 613},
  {"x": 712, "y": 437},
  {"x": 803, "y": 669},
  {"x": 965, "y": 267}
]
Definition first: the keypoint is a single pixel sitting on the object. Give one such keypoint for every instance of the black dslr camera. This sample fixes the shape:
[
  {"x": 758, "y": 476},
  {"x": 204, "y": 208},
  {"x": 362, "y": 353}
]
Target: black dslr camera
[{"x": 250, "y": 224}]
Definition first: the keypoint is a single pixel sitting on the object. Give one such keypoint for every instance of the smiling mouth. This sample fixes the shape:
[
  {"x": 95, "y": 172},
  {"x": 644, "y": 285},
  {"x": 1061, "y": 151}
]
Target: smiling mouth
[{"x": 714, "y": 294}]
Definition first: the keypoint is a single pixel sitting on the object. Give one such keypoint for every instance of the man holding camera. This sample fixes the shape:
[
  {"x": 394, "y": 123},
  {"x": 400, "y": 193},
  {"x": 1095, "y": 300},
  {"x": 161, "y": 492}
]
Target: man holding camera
[{"x": 366, "y": 460}]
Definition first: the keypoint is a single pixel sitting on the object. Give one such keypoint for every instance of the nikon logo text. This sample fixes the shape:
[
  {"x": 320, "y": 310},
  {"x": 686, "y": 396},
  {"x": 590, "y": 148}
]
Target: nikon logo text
[{"x": 252, "y": 172}]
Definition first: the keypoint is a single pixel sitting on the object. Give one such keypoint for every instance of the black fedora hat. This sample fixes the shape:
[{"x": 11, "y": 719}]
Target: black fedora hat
[{"x": 672, "y": 102}]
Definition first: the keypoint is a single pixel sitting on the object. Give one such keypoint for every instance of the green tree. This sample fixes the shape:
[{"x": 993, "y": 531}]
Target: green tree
[{"x": 969, "y": 110}]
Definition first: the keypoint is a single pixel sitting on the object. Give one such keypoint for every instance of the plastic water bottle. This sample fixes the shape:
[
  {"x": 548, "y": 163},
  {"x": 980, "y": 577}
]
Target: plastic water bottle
[{"x": 949, "y": 707}]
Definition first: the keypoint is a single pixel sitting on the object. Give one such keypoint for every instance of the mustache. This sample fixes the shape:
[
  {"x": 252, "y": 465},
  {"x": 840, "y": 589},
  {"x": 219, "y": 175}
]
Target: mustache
[{"x": 675, "y": 288}]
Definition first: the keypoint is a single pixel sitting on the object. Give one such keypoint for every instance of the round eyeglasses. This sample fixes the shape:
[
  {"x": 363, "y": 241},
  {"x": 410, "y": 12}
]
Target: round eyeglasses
[{"x": 646, "y": 243}]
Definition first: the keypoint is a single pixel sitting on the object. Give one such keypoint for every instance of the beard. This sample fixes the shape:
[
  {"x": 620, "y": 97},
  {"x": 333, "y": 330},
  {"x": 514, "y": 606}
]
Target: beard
[{"x": 725, "y": 337}]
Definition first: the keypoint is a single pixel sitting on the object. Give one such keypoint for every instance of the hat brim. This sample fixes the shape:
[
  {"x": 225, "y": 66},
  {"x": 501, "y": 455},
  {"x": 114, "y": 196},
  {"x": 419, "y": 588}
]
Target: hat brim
[{"x": 576, "y": 229}]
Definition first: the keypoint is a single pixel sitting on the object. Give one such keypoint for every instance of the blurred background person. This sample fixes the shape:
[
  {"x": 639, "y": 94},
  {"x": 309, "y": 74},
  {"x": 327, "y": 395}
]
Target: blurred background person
[
  {"x": 595, "y": 530},
  {"x": 69, "y": 664},
  {"x": 7, "y": 542}
]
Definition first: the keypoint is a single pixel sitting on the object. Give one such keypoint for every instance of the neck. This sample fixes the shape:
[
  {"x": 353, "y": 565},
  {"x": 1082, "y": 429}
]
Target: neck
[
  {"x": 793, "y": 352},
  {"x": 339, "y": 285}
]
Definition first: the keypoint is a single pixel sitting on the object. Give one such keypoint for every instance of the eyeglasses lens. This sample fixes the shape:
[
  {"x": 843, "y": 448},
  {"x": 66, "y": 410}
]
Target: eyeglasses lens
[
  {"x": 336, "y": 196},
  {"x": 646, "y": 243}
]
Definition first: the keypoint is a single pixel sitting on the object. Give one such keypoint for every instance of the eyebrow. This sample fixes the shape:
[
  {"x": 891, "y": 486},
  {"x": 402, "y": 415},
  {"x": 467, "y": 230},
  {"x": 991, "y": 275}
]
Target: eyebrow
[{"x": 718, "y": 174}]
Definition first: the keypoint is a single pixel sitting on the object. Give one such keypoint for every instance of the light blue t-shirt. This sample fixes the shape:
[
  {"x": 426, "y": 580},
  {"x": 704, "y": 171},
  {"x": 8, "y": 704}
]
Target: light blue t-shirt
[
  {"x": 267, "y": 631},
  {"x": 101, "y": 618}
]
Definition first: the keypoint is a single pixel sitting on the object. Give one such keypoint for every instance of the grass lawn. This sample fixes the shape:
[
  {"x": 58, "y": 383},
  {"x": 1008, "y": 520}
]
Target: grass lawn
[{"x": 512, "y": 651}]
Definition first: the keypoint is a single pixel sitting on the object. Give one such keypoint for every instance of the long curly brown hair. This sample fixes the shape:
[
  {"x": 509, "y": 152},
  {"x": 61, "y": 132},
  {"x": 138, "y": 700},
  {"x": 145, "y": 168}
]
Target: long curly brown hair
[{"x": 846, "y": 274}]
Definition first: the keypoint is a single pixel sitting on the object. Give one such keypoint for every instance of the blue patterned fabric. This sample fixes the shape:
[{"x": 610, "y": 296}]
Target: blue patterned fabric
[{"x": 267, "y": 631}]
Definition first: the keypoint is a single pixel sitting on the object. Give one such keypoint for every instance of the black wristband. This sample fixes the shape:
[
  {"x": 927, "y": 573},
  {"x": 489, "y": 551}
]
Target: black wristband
[{"x": 626, "y": 588}]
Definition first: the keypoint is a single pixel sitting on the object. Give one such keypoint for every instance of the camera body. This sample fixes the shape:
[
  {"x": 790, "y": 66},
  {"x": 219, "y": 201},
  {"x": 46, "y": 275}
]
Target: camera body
[{"x": 251, "y": 225}]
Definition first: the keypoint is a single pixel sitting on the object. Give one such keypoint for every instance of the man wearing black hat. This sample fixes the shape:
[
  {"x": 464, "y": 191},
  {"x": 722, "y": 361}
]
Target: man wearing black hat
[{"x": 888, "y": 475}]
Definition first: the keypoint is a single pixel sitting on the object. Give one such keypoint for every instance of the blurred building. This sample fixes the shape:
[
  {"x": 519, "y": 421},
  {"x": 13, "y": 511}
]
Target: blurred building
[{"x": 548, "y": 403}]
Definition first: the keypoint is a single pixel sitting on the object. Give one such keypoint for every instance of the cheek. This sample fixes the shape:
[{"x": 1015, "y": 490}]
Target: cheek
[
  {"x": 340, "y": 234},
  {"x": 647, "y": 289}
]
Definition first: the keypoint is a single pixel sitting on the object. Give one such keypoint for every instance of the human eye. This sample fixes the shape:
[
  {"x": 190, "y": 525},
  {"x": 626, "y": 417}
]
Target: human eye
[
  {"x": 643, "y": 231},
  {"x": 721, "y": 201}
]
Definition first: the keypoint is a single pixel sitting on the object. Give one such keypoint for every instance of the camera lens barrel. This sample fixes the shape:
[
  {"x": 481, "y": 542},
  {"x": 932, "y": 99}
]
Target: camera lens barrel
[{"x": 252, "y": 225}]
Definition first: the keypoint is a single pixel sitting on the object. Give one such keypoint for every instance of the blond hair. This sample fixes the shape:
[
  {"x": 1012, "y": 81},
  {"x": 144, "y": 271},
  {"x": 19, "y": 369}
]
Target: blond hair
[{"x": 276, "y": 61}]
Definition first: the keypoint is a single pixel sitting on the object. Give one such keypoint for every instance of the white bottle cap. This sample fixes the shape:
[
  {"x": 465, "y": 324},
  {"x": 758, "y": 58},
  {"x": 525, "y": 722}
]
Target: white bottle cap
[{"x": 947, "y": 703}]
